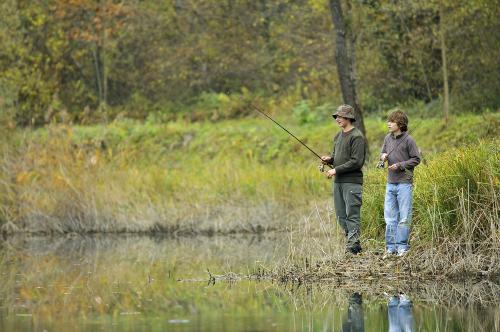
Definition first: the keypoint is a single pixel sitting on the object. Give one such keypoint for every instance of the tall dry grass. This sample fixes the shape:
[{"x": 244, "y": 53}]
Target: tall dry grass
[
  {"x": 55, "y": 185},
  {"x": 232, "y": 177}
]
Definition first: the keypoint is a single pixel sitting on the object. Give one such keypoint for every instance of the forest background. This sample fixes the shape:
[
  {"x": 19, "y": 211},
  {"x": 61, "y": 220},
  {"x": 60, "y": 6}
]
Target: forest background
[{"x": 86, "y": 61}]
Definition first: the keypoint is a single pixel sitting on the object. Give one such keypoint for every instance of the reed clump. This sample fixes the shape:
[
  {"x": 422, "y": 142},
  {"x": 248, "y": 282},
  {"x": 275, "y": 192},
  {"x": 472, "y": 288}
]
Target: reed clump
[{"x": 59, "y": 184}]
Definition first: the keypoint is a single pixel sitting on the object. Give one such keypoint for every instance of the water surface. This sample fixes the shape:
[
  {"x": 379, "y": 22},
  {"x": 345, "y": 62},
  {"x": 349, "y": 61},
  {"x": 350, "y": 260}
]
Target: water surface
[{"x": 141, "y": 283}]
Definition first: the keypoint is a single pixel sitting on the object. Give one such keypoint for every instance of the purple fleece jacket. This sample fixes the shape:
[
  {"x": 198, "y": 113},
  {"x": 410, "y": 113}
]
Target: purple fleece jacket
[{"x": 402, "y": 150}]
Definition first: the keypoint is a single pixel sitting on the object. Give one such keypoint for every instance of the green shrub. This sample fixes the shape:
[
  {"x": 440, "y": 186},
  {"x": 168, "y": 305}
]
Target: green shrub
[
  {"x": 459, "y": 188},
  {"x": 306, "y": 114}
]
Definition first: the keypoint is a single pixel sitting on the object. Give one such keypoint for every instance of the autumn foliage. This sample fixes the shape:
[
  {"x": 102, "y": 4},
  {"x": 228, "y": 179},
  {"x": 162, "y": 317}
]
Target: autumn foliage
[{"x": 87, "y": 61}]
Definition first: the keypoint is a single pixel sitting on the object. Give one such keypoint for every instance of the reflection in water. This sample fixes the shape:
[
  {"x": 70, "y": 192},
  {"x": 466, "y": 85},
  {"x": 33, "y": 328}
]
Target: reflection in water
[
  {"x": 354, "y": 320},
  {"x": 400, "y": 314},
  {"x": 131, "y": 283},
  {"x": 399, "y": 310}
]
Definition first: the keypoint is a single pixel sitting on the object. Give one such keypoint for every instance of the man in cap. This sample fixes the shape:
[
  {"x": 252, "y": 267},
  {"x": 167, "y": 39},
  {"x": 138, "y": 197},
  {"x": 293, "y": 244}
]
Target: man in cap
[{"x": 347, "y": 159}]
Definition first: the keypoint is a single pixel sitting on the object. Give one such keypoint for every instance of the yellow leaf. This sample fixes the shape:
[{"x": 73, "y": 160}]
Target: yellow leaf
[{"x": 24, "y": 177}]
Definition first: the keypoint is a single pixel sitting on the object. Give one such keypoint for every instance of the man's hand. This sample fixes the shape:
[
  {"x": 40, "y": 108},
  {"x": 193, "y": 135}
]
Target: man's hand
[
  {"x": 331, "y": 173},
  {"x": 326, "y": 159},
  {"x": 383, "y": 156},
  {"x": 394, "y": 167}
]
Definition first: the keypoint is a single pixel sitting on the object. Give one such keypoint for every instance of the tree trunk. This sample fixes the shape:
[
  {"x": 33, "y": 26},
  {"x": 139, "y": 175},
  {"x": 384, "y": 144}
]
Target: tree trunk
[
  {"x": 97, "y": 64},
  {"x": 344, "y": 57},
  {"x": 104, "y": 68},
  {"x": 104, "y": 71},
  {"x": 446, "y": 102}
]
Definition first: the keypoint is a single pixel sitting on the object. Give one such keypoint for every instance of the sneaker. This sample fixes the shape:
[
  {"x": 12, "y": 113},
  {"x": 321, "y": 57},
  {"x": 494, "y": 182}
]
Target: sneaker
[
  {"x": 402, "y": 253},
  {"x": 353, "y": 251},
  {"x": 356, "y": 250}
]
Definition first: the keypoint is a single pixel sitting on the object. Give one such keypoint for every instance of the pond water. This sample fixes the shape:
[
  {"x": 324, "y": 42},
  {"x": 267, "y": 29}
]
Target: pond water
[{"x": 140, "y": 283}]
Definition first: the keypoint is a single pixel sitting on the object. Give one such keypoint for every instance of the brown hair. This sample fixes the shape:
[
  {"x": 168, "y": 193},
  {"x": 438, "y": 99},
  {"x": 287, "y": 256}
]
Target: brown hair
[{"x": 400, "y": 118}]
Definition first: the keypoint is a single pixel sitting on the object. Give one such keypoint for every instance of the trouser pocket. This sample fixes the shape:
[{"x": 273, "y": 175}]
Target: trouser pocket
[{"x": 355, "y": 197}]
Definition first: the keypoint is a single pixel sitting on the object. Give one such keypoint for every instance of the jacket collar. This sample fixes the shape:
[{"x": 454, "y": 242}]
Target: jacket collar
[{"x": 403, "y": 134}]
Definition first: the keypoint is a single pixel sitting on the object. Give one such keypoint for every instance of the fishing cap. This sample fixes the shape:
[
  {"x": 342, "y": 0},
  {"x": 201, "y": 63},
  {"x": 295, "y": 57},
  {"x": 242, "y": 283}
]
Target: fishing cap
[{"x": 345, "y": 111}]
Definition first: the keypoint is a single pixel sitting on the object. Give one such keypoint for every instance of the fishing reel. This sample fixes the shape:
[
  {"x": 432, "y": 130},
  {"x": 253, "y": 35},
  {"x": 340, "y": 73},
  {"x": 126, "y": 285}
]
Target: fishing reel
[
  {"x": 321, "y": 168},
  {"x": 381, "y": 164}
]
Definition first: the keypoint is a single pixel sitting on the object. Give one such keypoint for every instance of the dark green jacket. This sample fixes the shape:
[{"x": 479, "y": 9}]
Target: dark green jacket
[{"x": 348, "y": 156}]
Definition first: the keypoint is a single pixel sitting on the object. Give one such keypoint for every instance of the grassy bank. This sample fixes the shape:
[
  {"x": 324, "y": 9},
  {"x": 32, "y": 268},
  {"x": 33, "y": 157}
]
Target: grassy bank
[
  {"x": 317, "y": 254},
  {"x": 232, "y": 176}
]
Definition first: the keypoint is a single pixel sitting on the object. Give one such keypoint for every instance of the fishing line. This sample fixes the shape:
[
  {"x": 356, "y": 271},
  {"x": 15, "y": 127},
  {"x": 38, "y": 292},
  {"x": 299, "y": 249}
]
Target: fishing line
[{"x": 303, "y": 144}]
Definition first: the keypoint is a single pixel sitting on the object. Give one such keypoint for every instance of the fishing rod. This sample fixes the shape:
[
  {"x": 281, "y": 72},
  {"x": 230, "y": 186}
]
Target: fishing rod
[{"x": 289, "y": 133}]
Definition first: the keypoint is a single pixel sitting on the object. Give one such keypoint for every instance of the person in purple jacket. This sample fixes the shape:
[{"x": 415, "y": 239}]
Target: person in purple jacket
[{"x": 402, "y": 155}]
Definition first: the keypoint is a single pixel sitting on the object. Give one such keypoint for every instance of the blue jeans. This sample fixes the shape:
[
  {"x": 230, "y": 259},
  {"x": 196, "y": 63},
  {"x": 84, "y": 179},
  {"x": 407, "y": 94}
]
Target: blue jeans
[
  {"x": 400, "y": 315},
  {"x": 397, "y": 214}
]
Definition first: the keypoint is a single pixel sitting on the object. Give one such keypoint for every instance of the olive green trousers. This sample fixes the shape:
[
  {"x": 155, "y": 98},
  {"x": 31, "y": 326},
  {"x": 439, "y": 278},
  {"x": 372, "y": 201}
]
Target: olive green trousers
[{"x": 347, "y": 198}]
